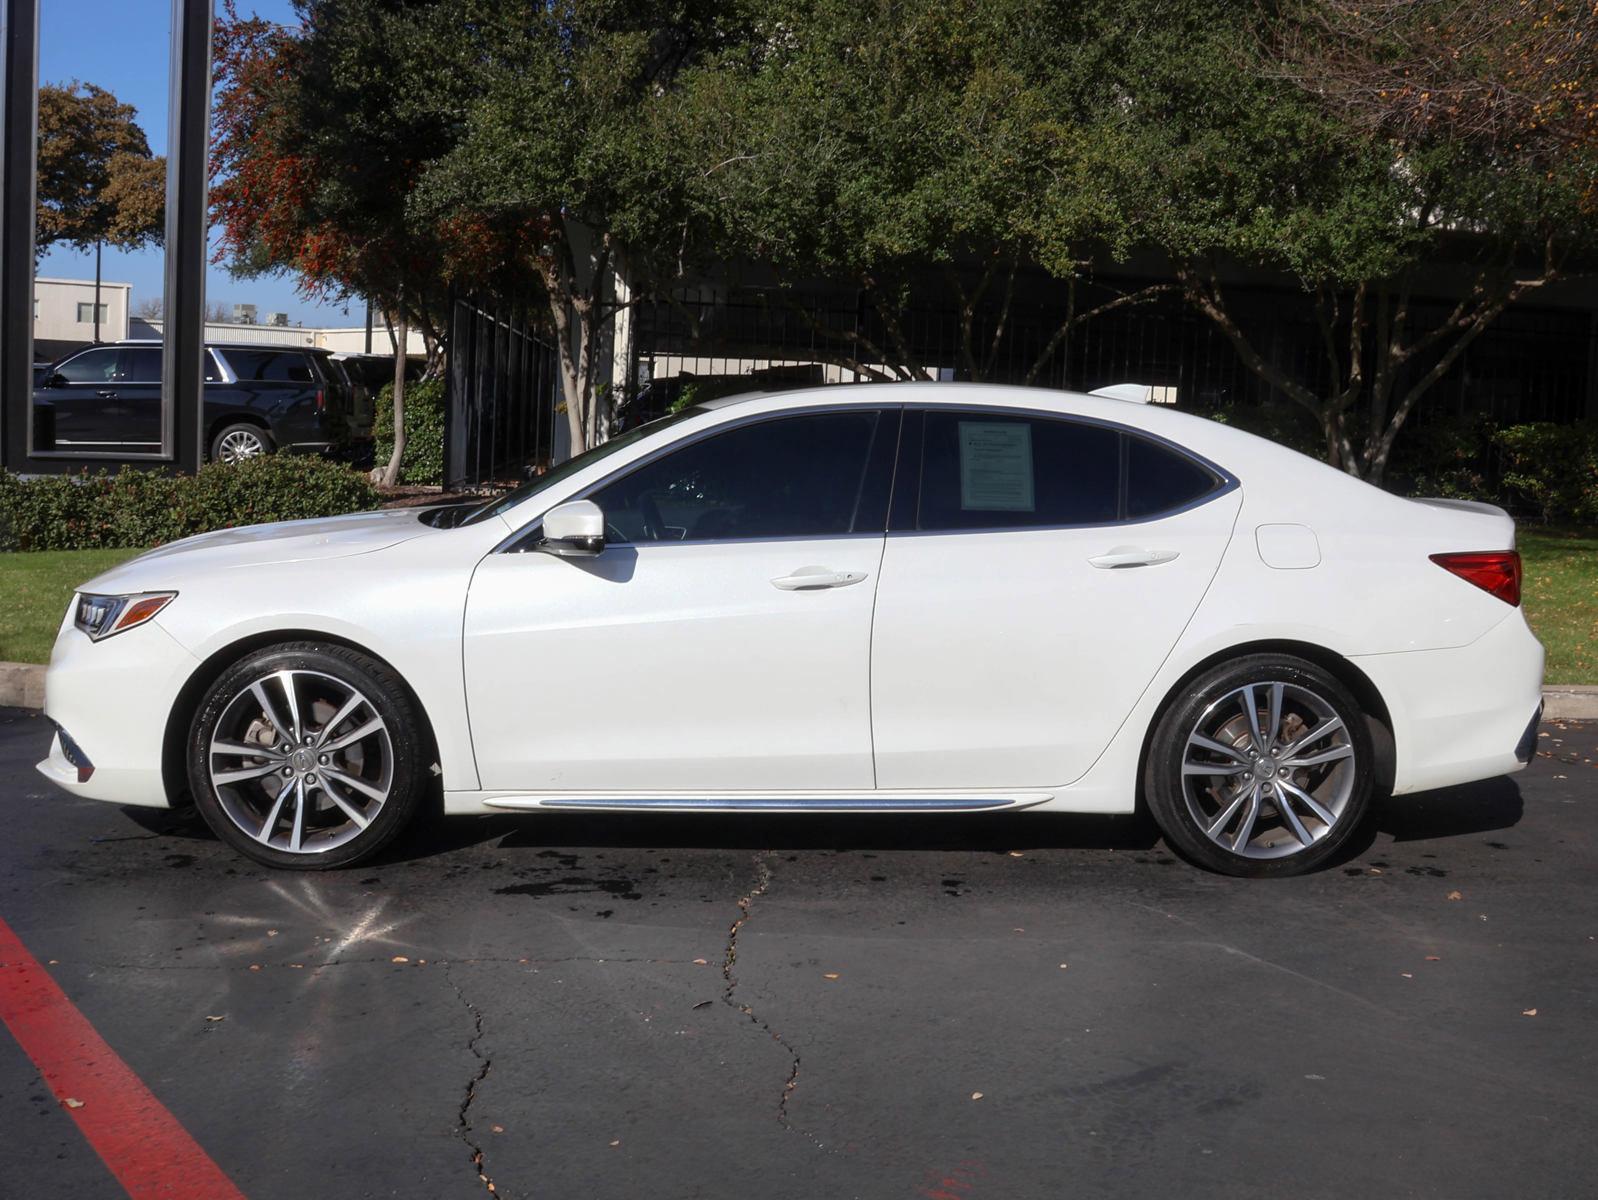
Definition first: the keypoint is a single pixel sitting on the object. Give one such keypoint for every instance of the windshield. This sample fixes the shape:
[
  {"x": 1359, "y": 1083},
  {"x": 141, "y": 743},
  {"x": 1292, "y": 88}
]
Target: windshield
[{"x": 500, "y": 505}]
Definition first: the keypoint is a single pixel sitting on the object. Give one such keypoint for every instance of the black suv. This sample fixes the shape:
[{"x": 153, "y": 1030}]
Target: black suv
[{"x": 258, "y": 398}]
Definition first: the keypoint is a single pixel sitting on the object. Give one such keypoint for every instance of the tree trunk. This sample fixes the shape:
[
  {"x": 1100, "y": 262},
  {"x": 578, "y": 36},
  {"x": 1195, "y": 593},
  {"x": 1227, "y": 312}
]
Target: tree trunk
[{"x": 402, "y": 332}]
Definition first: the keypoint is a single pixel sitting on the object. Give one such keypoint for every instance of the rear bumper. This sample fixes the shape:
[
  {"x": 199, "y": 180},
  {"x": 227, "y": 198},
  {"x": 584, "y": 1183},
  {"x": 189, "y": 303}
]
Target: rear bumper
[{"x": 1461, "y": 714}]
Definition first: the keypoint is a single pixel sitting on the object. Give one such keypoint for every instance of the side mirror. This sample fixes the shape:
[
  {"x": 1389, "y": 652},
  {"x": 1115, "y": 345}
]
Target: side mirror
[
  {"x": 54, "y": 380},
  {"x": 575, "y": 529}
]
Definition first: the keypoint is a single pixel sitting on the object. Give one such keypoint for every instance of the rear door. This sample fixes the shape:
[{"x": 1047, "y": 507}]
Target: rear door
[{"x": 1037, "y": 572}]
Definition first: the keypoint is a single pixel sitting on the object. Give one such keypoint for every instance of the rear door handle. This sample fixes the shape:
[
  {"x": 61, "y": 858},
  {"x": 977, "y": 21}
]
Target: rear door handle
[
  {"x": 107, "y": 395},
  {"x": 1132, "y": 556},
  {"x": 814, "y": 578}
]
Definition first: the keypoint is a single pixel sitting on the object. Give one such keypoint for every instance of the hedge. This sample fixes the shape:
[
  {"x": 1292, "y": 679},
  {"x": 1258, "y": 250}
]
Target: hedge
[
  {"x": 1538, "y": 470},
  {"x": 144, "y": 508},
  {"x": 424, "y": 431}
]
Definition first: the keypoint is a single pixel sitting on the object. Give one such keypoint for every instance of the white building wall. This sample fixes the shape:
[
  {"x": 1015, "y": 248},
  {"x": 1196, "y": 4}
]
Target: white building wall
[{"x": 56, "y": 310}]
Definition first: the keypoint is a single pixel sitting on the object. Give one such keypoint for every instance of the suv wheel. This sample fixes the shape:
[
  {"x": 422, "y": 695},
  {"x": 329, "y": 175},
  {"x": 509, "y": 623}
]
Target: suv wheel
[
  {"x": 238, "y": 442},
  {"x": 1264, "y": 768}
]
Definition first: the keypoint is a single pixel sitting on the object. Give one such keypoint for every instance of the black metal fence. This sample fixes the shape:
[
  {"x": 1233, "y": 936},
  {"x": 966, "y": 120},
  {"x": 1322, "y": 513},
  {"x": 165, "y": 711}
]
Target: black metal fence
[
  {"x": 502, "y": 393},
  {"x": 1531, "y": 365}
]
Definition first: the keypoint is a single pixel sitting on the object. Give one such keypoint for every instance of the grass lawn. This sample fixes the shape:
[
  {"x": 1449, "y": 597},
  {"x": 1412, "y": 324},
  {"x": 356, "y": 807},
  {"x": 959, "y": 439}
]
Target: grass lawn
[
  {"x": 1560, "y": 595},
  {"x": 34, "y": 590}
]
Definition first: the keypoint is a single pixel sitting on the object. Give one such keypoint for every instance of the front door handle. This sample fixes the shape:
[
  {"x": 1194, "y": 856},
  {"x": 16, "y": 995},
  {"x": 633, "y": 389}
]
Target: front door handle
[
  {"x": 1132, "y": 556},
  {"x": 814, "y": 578}
]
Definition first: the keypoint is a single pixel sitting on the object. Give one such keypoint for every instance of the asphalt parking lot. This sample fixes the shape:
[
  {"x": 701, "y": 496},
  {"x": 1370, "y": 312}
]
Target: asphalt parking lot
[{"x": 881, "y": 1007}]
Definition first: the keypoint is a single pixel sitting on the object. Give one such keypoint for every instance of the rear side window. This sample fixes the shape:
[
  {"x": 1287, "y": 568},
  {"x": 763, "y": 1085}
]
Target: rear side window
[
  {"x": 1159, "y": 480},
  {"x": 992, "y": 471},
  {"x": 141, "y": 364},
  {"x": 797, "y": 476},
  {"x": 986, "y": 470},
  {"x": 269, "y": 366}
]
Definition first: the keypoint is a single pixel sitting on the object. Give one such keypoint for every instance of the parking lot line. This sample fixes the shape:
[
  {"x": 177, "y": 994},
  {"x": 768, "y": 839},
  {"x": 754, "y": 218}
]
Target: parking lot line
[{"x": 142, "y": 1144}]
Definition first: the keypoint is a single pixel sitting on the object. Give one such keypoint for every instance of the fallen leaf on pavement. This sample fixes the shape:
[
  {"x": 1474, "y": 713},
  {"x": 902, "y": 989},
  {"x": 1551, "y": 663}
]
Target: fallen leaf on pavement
[
  {"x": 704, "y": 1004},
  {"x": 1433, "y": 958},
  {"x": 71, "y": 1103},
  {"x": 1456, "y": 895},
  {"x": 830, "y": 975},
  {"x": 1016, "y": 854},
  {"x": 617, "y": 1142},
  {"x": 399, "y": 958},
  {"x": 497, "y": 1128},
  {"x": 255, "y": 966},
  {"x": 1406, "y": 975},
  {"x": 215, "y": 1018},
  {"x": 700, "y": 962},
  {"x": 1528, "y": 1012},
  {"x": 976, "y": 1095}
]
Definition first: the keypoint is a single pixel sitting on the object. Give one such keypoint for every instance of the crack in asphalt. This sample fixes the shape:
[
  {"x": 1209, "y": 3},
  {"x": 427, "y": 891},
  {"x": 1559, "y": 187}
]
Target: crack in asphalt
[
  {"x": 463, "y": 1123},
  {"x": 729, "y": 975}
]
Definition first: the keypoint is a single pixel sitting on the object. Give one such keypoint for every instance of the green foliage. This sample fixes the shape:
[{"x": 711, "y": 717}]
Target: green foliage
[
  {"x": 144, "y": 508},
  {"x": 98, "y": 181},
  {"x": 424, "y": 431},
  {"x": 1551, "y": 470}
]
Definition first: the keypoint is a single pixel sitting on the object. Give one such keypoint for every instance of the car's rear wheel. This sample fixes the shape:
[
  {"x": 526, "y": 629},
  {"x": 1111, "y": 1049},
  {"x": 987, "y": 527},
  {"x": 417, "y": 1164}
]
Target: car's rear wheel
[
  {"x": 307, "y": 756},
  {"x": 239, "y": 442},
  {"x": 1264, "y": 768}
]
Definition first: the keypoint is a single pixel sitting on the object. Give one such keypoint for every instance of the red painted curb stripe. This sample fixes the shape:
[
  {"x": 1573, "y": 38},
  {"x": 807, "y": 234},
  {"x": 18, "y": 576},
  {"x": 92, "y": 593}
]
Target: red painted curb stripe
[{"x": 152, "y": 1156}]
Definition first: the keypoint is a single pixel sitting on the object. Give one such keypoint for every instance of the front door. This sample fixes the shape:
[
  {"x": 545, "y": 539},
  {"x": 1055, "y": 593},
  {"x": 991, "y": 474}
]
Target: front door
[
  {"x": 1034, "y": 580},
  {"x": 720, "y": 642}
]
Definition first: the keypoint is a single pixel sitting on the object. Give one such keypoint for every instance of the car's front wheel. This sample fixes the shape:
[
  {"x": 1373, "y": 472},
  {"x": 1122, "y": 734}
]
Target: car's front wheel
[
  {"x": 1265, "y": 767},
  {"x": 307, "y": 756}
]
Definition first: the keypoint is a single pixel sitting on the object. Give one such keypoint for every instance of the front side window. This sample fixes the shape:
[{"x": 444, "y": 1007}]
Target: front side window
[
  {"x": 92, "y": 366},
  {"x": 994, "y": 471},
  {"x": 799, "y": 476}
]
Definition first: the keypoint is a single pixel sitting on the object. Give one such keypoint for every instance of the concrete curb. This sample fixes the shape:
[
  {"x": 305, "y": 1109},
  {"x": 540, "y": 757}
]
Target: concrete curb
[
  {"x": 22, "y": 686},
  {"x": 1570, "y": 702}
]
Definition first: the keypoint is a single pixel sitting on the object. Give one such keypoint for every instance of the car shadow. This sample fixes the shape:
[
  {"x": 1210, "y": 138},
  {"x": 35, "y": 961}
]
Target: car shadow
[{"x": 1472, "y": 808}]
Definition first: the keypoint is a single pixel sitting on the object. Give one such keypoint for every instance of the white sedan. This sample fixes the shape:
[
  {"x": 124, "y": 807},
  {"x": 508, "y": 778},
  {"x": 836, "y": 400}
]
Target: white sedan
[{"x": 896, "y": 599}]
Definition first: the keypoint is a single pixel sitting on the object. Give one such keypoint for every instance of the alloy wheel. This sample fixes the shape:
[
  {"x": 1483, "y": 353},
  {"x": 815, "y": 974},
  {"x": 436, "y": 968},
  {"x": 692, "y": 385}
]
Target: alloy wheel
[
  {"x": 1268, "y": 770},
  {"x": 301, "y": 761},
  {"x": 240, "y": 444}
]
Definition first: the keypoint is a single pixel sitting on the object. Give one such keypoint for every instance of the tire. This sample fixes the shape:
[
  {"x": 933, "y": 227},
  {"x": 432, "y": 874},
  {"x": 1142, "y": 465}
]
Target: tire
[
  {"x": 346, "y": 780},
  {"x": 240, "y": 441},
  {"x": 1312, "y": 773}
]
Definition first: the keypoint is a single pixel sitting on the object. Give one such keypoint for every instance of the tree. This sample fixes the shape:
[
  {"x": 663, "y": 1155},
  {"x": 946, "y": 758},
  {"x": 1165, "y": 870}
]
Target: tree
[
  {"x": 559, "y": 171},
  {"x": 1343, "y": 145},
  {"x": 319, "y": 133},
  {"x": 98, "y": 182},
  {"x": 881, "y": 145}
]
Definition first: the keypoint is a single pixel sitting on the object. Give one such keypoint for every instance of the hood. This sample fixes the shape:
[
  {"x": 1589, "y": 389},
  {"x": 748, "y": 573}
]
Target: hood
[{"x": 257, "y": 545}]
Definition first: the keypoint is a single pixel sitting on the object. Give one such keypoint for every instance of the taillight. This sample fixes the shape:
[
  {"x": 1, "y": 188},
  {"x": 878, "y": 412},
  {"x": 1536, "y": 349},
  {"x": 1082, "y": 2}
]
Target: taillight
[
  {"x": 1494, "y": 571},
  {"x": 321, "y": 399}
]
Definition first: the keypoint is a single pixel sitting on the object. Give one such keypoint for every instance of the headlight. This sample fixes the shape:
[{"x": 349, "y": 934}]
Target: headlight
[{"x": 102, "y": 616}]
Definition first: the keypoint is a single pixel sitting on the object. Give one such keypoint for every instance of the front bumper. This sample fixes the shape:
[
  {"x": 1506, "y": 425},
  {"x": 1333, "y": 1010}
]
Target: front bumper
[
  {"x": 1460, "y": 714},
  {"x": 112, "y": 699}
]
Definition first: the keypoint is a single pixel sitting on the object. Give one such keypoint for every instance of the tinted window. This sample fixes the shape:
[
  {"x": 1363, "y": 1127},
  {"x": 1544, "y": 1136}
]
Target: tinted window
[
  {"x": 141, "y": 365},
  {"x": 1158, "y": 480},
  {"x": 269, "y": 366},
  {"x": 791, "y": 477},
  {"x": 93, "y": 366},
  {"x": 988, "y": 471}
]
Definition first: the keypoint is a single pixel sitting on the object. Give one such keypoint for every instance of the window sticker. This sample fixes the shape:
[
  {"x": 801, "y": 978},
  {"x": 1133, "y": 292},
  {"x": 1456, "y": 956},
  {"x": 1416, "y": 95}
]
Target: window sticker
[{"x": 996, "y": 466}]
